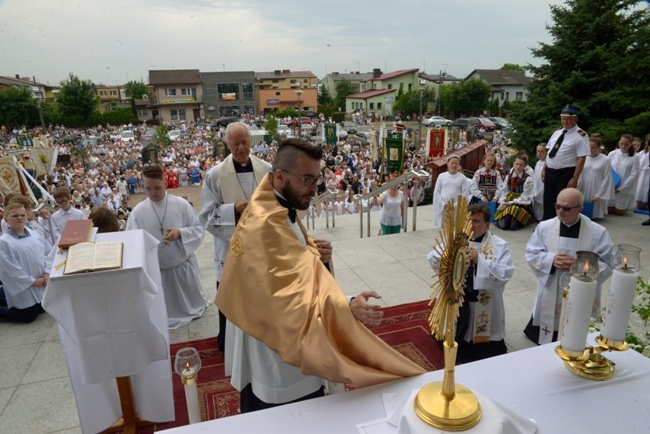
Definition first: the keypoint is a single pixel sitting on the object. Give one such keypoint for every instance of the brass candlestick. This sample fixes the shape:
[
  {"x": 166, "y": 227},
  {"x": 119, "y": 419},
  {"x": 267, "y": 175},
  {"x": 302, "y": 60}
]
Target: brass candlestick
[{"x": 447, "y": 405}]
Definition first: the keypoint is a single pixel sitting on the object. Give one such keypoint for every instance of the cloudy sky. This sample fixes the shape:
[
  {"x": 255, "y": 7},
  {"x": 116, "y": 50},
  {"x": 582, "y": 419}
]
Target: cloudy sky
[{"x": 113, "y": 41}]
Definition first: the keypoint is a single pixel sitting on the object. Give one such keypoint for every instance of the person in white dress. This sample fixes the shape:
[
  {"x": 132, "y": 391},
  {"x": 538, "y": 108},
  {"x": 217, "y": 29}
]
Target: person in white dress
[
  {"x": 596, "y": 181},
  {"x": 448, "y": 186},
  {"x": 390, "y": 217},
  {"x": 644, "y": 174},
  {"x": 626, "y": 165},
  {"x": 175, "y": 224},
  {"x": 538, "y": 182}
]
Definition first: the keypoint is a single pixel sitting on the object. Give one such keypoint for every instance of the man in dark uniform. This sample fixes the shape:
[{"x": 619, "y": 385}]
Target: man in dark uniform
[{"x": 567, "y": 148}]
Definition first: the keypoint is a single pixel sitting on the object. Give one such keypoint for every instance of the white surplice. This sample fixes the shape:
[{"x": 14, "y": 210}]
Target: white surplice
[
  {"x": 538, "y": 191},
  {"x": 628, "y": 169},
  {"x": 181, "y": 278},
  {"x": 644, "y": 177},
  {"x": 447, "y": 188},
  {"x": 596, "y": 180},
  {"x": 541, "y": 249}
]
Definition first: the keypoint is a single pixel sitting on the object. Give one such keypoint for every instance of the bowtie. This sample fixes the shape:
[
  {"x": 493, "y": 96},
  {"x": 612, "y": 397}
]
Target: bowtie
[{"x": 290, "y": 209}]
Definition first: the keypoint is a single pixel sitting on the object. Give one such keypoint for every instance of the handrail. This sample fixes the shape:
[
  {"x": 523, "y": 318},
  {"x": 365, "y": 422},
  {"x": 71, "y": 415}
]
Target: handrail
[
  {"x": 323, "y": 197},
  {"x": 403, "y": 179}
]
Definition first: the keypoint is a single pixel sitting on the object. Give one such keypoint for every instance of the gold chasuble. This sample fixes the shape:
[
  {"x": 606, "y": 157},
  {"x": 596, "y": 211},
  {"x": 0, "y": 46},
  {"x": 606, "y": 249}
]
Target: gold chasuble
[{"x": 279, "y": 292}]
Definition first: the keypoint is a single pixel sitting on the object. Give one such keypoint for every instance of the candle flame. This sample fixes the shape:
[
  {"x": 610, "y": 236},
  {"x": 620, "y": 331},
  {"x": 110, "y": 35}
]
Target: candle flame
[
  {"x": 187, "y": 365},
  {"x": 586, "y": 267}
]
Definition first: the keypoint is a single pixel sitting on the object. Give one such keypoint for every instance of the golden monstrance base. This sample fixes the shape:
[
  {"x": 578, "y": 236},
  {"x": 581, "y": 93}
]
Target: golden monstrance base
[{"x": 458, "y": 414}]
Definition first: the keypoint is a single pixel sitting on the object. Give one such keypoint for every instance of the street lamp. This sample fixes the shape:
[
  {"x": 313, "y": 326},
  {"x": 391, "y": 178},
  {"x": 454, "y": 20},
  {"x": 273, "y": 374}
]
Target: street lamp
[
  {"x": 422, "y": 84},
  {"x": 299, "y": 92}
]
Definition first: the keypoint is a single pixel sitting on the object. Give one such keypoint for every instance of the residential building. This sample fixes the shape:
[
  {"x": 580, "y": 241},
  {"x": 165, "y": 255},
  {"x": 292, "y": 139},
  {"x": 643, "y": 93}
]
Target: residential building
[
  {"x": 177, "y": 95},
  {"x": 109, "y": 96},
  {"x": 355, "y": 78},
  {"x": 228, "y": 94},
  {"x": 378, "y": 92},
  {"x": 285, "y": 89},
  {"x": 40, "y": 91},
  {"x": 507, "y": 85},
  {"x": 378, "y": 102}
]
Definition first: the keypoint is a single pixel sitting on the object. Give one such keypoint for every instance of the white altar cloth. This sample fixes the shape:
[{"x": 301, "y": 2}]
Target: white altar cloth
[
  {"x": 533, "y": 383},
  {"x": 113, "y": 324}
]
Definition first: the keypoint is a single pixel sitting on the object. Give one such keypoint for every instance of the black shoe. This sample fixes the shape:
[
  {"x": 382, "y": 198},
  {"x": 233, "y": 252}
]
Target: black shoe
[{"x": 646, "y": 223}]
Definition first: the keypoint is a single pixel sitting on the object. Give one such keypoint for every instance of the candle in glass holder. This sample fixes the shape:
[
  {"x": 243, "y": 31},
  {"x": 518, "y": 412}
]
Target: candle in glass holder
[
  {"x": 187, "y": 364},
  {"x": 582, "y": 293}
]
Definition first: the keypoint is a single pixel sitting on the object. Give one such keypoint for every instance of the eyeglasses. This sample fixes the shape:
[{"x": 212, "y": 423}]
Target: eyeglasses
[
  {"x": 308, "y": 181},
  {"x": 62, "y": 202},
  {"x": 565, "y": 208}
]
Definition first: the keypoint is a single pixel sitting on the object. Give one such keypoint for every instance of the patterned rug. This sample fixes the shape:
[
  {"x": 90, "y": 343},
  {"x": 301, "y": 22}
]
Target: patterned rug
[{"x": 405, "y": 328}]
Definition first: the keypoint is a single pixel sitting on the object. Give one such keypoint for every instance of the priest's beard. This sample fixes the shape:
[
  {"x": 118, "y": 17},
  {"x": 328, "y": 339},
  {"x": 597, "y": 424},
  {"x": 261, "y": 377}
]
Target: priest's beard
[{"x": 295, "y": 198}]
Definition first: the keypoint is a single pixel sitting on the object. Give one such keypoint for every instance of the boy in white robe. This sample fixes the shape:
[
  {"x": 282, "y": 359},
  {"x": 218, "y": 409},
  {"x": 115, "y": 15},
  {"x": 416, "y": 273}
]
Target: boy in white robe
[
  {"x": 173, "y": 222},
  {"x": 550, "y": 252},
  {"x": 481, "y": 326}
]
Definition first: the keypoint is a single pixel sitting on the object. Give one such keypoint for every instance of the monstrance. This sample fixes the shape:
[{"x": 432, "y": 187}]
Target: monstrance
[{"x": 446, "y": 405}]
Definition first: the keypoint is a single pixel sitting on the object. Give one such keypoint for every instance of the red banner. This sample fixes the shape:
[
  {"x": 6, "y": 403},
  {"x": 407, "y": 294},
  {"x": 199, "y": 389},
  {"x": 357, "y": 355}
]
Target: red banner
[{"x": 436, "y": 143}]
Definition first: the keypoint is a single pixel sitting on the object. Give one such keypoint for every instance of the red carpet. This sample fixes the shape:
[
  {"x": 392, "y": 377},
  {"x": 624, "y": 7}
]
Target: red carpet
[{"x": 405, "y": 328}]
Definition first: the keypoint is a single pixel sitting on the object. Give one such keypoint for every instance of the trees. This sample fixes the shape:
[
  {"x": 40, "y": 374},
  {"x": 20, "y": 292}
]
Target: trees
[
  {"x": 343, "y": 89},
  {"x": 271, "y": 127},
  {"x": 466, "y": 97},
  {"x": 17, "y": 107},
  {"x": 77, "y": 101},
  {"x": 324, "y": 97},
  {"x": 409, "y": 102},
  {"x": 599, "y": 60},
  {"x": 512, "y": 67},
  {"x": 135, "y": 90}
]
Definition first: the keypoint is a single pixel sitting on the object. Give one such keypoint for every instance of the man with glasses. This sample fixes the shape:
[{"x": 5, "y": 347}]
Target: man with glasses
[
  {"x": 66, "y": 212},
  {"x": 225, "y": 194},
  {"x": 550, "y": 252},
  {"x": 290, "y": 327}
]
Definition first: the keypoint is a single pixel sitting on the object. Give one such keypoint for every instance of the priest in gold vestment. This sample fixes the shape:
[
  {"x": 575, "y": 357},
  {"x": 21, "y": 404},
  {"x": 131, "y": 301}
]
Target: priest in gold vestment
[{"x": 292, "y": 327}]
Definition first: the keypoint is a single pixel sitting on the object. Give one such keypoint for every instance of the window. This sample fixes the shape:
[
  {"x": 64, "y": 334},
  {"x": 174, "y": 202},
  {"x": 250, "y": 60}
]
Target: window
[
  {"x": 178, "y": 115},
  {"x": 372, "y": 106},
  {"x": 503, "y": 96},
  {"x": 187, "y": 91},
  {"x": 170, "y": 92},
  {"x": 519, "y": 96},
  {"x": 507, "y": 96},
  {"x": 410, "y": 86},
  {"x": 305, "y": 80},
  {"x": 113, "y": 93},
  {"x": 277, "y": 93},
  {"x": 390, "y": 86},
  {"x": 102, "y": 93},
  {"x": 228, "y": 91},
  {"x": 250, "y": 109},
  {"x": 247, "y": 91},
  {"x": 378, "y": 106},
  {"x": 275, "y": 81},
  {"x": 142, "y": 113}
]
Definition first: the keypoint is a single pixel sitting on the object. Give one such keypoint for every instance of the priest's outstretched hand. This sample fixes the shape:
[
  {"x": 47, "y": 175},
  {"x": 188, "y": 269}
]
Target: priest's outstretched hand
[{"x": 365, "y": 312}]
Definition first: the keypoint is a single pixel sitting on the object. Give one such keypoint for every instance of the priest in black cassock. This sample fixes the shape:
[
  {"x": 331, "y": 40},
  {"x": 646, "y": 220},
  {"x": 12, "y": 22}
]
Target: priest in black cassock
[{"x": 550, "y": 252}]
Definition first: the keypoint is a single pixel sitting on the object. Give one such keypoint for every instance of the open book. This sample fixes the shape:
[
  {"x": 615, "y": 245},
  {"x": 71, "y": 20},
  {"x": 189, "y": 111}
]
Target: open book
[{"x": 84, "y": 257}]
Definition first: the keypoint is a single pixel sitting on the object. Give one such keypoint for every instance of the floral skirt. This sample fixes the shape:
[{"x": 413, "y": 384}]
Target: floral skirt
[{"x": 513, "y": 217}]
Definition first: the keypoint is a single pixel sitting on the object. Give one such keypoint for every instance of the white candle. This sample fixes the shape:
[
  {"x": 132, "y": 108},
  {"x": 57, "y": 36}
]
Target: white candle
[
  {"x": 619, "y": 305},
  {"x": 578, "y": 313},
  {"x": 192, "y": 398}
]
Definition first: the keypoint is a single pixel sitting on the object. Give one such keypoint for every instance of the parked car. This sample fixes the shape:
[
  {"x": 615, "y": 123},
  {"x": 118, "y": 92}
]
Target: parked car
[
  {"x": 436, "y": 121},
  {"x": 303, "y": 120},
  {"x": 174, "y": 134},
  {"x": 501, "y": 123},
  {"x": 362, "y": 138},
  {"x": 284, "y": 130},
  {"x": 487, "y": 124},
  {"x": 223, "y": 122},
  {"x": 462, "y": 123},
  {"x": 127, "y": 136},
  {"x": 349, "y": 127}
]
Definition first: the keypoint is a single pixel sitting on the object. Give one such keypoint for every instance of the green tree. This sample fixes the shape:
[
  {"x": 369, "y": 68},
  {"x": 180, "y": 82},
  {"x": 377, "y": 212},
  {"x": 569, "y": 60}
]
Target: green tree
[
  {"x": 467, "y": 97},
  {"x": 271, "y": 127},
  {"x": 324, "y": 97},
  {"x": 409, "y": 102},
  {"x": 161, "y": 137},
  {"x": 599, "y": 60},
  {"x": 512, "y": 67},
  {"x": 135, "y": 90},
  {"x": 343, "y": 89},
  {"x": 77, "y": 101},
  {"x": 18, "y": 107}
]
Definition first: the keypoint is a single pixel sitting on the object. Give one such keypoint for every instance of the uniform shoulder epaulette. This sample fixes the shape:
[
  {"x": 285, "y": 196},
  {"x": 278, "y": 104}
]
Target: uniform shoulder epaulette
[{"x": 582, "y": 133}]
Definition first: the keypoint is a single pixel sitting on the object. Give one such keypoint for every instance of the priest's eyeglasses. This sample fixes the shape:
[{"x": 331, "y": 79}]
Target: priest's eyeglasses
[
  {"x": 309, "y": 181},
  {"x": 565, "y": 208}
]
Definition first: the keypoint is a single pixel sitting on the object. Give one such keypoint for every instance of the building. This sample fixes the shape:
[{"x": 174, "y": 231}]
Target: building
[
  {"x": 40, "y": 91},
  {"x": 285, "y": 89},
  {"x": 177, "y": 95},
  {"x": 227, "y": 94},
  {"x": 507, "y": 85},
  {"x": 109, "y": 96},
  {"x": 378, "y": 92},
  {"x": 355, "y": 78}
]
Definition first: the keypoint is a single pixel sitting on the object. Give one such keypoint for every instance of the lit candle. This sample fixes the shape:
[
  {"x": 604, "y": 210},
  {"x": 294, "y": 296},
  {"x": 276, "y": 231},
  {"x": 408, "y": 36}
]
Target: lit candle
[
  {"x": 619, "y": 305},
  {"x": 191, "y": 394},
  {"x": 578, "y": 313}
]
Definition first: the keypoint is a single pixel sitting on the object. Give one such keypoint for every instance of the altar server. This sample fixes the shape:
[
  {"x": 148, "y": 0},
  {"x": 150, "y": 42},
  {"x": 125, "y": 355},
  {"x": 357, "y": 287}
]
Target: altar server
[
  {"x": 550, "y": 252},
  {"x": 175, "y": 224},
  {"x": 448, "y": 186},
  {"x": 481, "y": 326},
  {"x": 596, "y": 183}
]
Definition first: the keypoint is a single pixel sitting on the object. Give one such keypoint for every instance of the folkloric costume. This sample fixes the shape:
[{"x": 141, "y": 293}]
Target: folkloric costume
[
  {"x": 181, "y": 279},
  {"x": 284, "y": 302},
  {"x": 482, "y": 315},
  {"x": 514, "y": 211},
  {"x": 552, "y": 237},
  {"x": 486, "y": 183}
]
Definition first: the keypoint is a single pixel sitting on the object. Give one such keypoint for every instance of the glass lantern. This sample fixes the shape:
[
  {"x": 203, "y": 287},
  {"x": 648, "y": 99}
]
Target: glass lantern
[
  {"x": 187, "y": 363},
  {"x": 627, "y": 258},
  {"x": 585, "y": 266}
]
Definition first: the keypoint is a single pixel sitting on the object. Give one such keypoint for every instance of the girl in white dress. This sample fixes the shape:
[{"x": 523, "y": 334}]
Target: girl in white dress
[
  {"x": 596, "y": 182},
  {"x": 626, "y": 165},
  {"x": 644, "y": 174},
  {"x": 448, "y": 186}
]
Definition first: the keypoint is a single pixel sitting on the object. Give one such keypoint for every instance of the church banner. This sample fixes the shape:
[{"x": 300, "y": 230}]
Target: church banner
[
  {"x": 9, "y": 179},
  {"x": 394, "y": 153},
  {"x": 330, "y": 134},
  {"x": 436, "y": 143}
]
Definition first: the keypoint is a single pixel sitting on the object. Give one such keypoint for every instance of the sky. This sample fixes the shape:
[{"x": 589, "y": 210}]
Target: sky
[{"x": 113, "y": 41}]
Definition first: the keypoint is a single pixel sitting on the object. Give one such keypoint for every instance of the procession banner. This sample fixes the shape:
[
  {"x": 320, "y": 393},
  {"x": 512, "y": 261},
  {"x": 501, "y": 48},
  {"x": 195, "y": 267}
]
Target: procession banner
[
  {"x": 373, "y": 139},
  {"x": 9, "y": 175},
  {"x": 436, "y": 140},
  {"x": 47, "y": 156},
  {"x": 394, "y": 152},
  {"x": 330, "y": 134}
]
